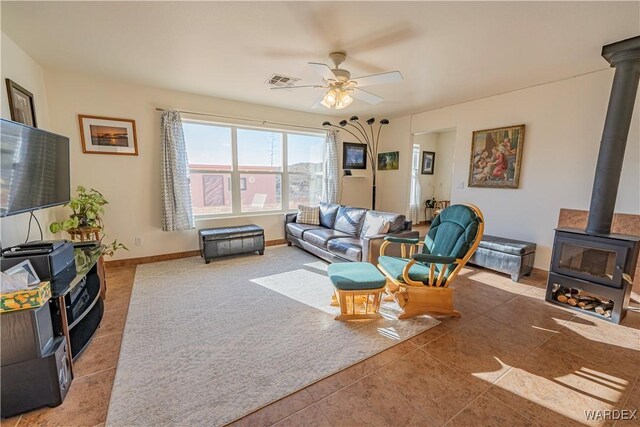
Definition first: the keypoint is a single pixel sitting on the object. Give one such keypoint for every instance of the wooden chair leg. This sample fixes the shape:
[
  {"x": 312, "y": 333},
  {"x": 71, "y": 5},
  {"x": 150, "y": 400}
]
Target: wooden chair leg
[{"x": 418, "y": 300}]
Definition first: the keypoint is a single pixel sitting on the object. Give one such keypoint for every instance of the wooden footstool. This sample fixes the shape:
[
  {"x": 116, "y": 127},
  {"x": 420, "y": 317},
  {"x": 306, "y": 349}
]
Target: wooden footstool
[{"x": 359, "y": 287}]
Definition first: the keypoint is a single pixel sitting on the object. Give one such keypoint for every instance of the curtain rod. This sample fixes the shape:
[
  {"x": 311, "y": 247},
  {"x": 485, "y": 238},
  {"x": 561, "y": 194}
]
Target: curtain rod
[{"x": 264, "y": 122}]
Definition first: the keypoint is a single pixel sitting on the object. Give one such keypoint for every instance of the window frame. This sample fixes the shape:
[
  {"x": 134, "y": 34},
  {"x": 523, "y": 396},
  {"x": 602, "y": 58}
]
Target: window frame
[{"x": 235, "y": 172}]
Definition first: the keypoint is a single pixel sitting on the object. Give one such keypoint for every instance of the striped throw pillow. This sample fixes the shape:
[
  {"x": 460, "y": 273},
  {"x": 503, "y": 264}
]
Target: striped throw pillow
[{"x": 308, "y": 215}]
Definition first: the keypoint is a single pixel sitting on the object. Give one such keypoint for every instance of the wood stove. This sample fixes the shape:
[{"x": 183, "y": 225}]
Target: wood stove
[{"x": 592, "y": 270}]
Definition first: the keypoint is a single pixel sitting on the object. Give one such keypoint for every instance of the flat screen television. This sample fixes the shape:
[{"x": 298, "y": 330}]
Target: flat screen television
[{"x": 34, "y": 169}]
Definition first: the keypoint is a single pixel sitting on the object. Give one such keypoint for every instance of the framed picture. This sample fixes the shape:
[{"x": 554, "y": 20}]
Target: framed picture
[
  {"x": 388, "y": 161},
  {"x": 428, "y": 162},
  {"x": 21, "y": 104},
  {"x": 107, "y": 135},
  {"x": 354, "y": 156},
  {"x": 496, "y": 155}
]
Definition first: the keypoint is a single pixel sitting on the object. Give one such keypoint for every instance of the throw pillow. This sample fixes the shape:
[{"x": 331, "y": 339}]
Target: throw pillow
[
  {"x": 349, "y": 220},
  {"x": 308, "y": 215},
  {"x": 328, "y": 213},
  {"x": 377, "y": 225}
]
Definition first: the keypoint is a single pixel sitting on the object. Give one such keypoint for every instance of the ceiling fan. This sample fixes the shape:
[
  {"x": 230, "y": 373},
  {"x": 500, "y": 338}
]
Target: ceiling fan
[{"x": 340, "y": 88}]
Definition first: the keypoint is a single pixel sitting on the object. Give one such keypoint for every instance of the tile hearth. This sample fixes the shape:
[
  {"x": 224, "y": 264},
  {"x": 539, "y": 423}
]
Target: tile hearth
[{"x": 511, "y": 359}]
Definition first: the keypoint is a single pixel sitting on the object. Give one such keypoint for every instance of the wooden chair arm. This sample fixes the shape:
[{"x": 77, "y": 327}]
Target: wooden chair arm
[{"x": 413, "y": 247}]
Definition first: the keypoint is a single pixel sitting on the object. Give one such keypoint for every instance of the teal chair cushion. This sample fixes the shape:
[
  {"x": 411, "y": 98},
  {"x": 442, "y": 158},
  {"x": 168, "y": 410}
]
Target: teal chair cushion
[
  {"x": 451, "y": 235},
  {"x": 355, "y": 276},
  {"x": 394, "y": 267}
]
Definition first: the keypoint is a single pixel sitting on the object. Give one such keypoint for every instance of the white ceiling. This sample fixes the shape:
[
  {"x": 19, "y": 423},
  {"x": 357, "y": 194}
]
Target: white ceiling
[{"x": 448, "y": 52}]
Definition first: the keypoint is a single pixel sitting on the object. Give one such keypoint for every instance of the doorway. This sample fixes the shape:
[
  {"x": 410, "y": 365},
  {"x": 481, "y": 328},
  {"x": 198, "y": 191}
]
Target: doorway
[{"x": 432, "y": 171}]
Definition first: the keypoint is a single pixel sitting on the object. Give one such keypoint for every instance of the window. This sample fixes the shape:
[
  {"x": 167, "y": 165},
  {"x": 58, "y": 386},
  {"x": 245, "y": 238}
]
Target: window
[
  {"x": 305, "y": 155},
  {"x": 236, "y": 170}
]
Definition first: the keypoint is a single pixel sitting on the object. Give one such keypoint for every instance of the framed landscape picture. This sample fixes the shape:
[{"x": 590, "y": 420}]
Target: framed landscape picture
[
  {"x": 21, "y": 104},
  {"x": 496, "y": 156},
  {"x": 388, "y": 161},
  {"x": 107, "y": 135},
  {"x": 354, "y": 156},
  {"x": 428, "y": 162}
]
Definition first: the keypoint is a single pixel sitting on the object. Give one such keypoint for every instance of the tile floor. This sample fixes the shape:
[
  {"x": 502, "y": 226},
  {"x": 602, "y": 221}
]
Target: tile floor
[{"x": 511, "y": 359}]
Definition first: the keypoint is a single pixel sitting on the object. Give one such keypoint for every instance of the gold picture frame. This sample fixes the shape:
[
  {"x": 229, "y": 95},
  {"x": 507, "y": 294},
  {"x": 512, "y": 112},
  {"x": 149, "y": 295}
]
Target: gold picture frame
[
  {"x": 496, "y": 157},
  {"x": 108, "y": 135}
]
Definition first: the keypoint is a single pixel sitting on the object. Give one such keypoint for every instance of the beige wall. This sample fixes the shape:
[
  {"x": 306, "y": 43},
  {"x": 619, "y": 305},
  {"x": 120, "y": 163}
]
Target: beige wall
[
  {"x": 22, "y": 69},
  {"x": 393, "y": 186},
  {"x": 132, "y": 183},
  {"x": 564, "y": 122}
]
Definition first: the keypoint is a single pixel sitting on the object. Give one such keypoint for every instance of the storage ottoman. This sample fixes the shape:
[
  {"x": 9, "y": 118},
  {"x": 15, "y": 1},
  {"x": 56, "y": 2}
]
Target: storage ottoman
[
  {"x": 513, "y": 257},
  {"x": 217, "y": 242}
]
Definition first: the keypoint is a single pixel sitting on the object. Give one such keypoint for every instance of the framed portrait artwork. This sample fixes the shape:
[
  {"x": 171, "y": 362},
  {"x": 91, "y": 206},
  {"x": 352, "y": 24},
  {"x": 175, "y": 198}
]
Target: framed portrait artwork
[
  {"x": 388, "y": 161},
  {"x": 21, "y": 104},
  {"x": 428, "y": 162},
  {"x": 354, "y": 156},
  {"x": 107, "y": 135},
  {"x": 496, "y": 156}
]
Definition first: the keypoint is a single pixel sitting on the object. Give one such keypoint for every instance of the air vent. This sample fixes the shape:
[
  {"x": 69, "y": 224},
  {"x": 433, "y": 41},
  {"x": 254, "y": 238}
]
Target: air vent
[{"x": 278, "y": 80}]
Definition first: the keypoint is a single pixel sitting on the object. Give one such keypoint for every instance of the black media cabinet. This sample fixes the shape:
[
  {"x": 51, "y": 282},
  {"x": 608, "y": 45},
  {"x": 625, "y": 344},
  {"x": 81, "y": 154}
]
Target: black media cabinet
[{"x": 42, "y": 343}]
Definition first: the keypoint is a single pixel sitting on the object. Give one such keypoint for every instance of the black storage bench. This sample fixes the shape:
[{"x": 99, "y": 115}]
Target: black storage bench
[
  {"x": 513, "y": 257},
  {"x": 217, "y": 242}
]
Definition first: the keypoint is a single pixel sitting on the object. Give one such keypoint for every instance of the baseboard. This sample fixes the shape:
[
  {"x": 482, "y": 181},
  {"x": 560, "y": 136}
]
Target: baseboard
[{"x": 166, "y": 257}]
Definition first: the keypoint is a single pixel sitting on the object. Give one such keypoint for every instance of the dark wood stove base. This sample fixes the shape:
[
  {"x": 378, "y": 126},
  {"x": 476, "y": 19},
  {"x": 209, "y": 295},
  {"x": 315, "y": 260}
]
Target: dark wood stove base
[{"x": 619, "y": 296}]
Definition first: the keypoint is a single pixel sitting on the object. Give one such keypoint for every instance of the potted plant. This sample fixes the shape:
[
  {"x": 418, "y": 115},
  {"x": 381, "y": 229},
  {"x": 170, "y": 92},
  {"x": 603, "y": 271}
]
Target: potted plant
[
  {"x": 429, "y": 205},
  {"x": 85, "y": 220}
]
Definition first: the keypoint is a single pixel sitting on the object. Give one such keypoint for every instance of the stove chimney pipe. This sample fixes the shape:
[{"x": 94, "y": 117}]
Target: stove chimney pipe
[{"x": 625, "y": 57}]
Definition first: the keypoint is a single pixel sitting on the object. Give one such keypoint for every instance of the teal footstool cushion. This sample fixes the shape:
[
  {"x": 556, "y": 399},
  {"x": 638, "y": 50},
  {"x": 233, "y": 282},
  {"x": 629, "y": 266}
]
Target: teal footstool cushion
[{"x": 355, "y": 276}]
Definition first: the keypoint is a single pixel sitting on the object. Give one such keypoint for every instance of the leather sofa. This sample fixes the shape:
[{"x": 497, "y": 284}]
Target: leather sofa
[{"x": 340, "y": 237}]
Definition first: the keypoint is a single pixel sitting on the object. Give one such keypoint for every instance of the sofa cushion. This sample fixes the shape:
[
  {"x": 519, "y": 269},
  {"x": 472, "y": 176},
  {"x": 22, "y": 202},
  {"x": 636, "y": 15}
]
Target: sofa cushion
[
  {"x": 396, "y": 221},
  {"x": 348, "y": 248},
  {"x": 328, "y": 213},
  {"x": 298, "y": 230},
  {"x": 394, "y": 266},
  {"x": 349, "y": 220},
  {"x": 508, "y": 246},
  {"x": 320, "y": 236},
  {"x": 308, "y": 215}
]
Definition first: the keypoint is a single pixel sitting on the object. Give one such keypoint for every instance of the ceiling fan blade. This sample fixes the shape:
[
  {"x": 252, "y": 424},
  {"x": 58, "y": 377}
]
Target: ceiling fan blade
[
  {"x": 317, "y": 104},
  {"x": 367, "y": 97},
  {"x": 299, "y": 87},
  {"x": 379, "y": 79},
  {"x": 323, "y": 70}
]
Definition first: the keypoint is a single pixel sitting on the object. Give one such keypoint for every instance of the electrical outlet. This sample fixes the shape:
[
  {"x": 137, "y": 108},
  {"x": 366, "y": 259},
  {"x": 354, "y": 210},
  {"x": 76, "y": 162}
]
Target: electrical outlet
[
  {"x": 138, "y": 241},
  {"x": 460, "y": 185}
]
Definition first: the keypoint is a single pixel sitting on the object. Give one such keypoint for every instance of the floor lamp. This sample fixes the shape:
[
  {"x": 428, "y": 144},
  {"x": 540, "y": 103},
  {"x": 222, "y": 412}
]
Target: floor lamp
[{"x": 370, "y": 139}]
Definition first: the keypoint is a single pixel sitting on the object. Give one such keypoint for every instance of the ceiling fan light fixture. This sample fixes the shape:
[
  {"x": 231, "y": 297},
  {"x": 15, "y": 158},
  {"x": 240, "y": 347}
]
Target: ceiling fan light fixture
[
  {"x": 330, "y": 99},
  {"x": 343, "y": 100}
]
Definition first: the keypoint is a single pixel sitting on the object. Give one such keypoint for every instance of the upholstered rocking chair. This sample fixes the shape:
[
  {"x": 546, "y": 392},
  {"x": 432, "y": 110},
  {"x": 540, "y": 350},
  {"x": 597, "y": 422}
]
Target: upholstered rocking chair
[{"x": 420, "y": 280}]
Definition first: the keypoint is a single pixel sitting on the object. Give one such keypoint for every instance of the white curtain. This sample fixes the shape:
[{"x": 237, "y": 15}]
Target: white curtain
[
  {"x": 177, "y": 213},
  {"x": 415, "y": 197},
  {"x": 330, "y": 166}
]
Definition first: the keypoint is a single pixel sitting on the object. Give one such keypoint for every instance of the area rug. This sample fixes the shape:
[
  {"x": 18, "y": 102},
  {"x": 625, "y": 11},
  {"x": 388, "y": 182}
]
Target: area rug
[{"x": 205, "y": 344}]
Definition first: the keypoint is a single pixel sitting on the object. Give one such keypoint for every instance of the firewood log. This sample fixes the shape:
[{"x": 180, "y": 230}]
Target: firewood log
[
  {"x": 562, "y": 298},
  {"x": 602, "y": 308},
  {"x": 590, "y": 306},
  {"x": 572, "y": 301},
  {"x": 607, "y": 314}
]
